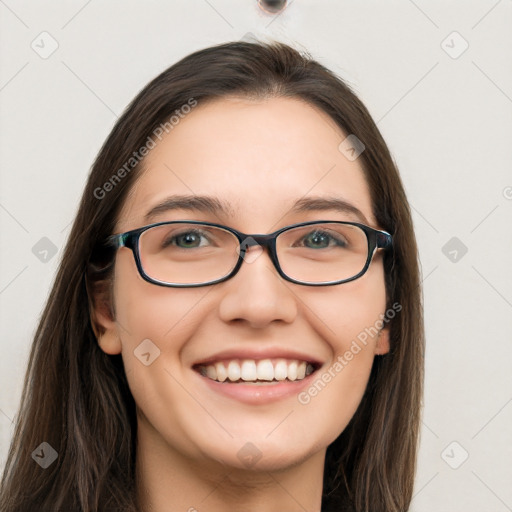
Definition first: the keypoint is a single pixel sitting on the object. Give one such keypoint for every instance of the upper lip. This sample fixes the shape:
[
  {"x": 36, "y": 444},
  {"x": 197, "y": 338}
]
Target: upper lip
[{"x": 258, "y": 354}]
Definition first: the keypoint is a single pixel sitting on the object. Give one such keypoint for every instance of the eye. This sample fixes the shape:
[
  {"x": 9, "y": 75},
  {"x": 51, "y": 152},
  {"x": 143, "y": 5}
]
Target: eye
[
  {"x": 185, "y": 239},
  {"x": 320, "y": 240}
]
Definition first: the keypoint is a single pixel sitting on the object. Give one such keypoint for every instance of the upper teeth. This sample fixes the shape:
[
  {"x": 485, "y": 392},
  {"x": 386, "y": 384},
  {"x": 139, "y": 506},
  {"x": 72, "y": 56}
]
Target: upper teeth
[{"x": 251, "y": 370}]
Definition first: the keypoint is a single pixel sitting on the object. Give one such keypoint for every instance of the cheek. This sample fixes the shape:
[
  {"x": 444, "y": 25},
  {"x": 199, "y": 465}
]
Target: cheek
[
  {"x": 145, "y": 310},
  {"x": 348, "y": 318},
  {"x": 350, "y": 311},
  {"x": 154, "y": 322}
]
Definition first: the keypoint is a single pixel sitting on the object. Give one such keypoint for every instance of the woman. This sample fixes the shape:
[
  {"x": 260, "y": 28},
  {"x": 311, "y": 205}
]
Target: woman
[{"x": 236, "y": 323}]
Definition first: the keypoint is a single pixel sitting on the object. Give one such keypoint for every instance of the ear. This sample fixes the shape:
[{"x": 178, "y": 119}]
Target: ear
[
  {"x": 103, "y": 318},
  {"x": 382, "y": 345}
]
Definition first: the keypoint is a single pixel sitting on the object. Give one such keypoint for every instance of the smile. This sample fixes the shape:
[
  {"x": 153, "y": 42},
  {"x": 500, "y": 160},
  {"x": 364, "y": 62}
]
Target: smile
[{"x": 263, "y": 371}]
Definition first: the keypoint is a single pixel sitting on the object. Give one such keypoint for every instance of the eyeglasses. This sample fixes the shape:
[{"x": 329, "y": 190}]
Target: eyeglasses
[{"x": 191, "y": 253}]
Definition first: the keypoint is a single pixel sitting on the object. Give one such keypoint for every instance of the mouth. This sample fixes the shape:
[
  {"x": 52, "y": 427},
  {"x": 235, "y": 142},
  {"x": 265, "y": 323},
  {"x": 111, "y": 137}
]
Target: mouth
[{"x": 257, "y": 371}]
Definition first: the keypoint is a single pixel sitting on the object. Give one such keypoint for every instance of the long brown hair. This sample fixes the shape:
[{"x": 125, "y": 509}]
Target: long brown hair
[{"x": 76, "y": 397}]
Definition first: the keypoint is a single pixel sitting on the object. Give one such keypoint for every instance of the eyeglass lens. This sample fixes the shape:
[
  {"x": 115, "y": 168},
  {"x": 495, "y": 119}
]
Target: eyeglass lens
[{"x": 184, "y": 253}]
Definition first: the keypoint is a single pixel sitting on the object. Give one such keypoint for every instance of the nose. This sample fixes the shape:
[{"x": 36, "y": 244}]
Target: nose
[{"x": 257, "y": 294}]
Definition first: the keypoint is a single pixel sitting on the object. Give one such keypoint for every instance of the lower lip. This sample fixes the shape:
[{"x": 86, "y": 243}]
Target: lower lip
[{"x": 258, "y": 393}]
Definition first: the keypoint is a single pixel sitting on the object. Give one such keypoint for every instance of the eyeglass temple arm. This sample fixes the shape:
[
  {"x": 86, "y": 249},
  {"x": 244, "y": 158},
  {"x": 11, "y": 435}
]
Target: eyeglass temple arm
[
  {"x": 117, "y": 241},
  {"x": 384, "y": 240}
]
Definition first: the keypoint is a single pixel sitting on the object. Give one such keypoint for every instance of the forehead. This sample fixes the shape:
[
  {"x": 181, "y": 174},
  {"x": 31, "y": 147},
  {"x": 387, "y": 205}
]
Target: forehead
[{"x": 257, "y": 157}]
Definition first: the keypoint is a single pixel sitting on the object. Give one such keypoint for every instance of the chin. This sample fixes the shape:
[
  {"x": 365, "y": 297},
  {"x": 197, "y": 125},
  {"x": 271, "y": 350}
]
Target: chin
[{"x": 259, "y": 454}]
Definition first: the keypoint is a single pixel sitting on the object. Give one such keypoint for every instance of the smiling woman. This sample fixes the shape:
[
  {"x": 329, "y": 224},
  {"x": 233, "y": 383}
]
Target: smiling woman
[{"x": 239, "y": 325}]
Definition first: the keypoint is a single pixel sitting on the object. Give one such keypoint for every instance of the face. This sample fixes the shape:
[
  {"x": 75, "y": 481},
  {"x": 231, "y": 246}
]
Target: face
[{"x": 259, "y": 158}]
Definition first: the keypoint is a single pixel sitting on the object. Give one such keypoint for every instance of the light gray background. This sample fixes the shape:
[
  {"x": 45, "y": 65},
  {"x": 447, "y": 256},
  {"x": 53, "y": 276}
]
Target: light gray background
[{"x": 448, "y": 122}]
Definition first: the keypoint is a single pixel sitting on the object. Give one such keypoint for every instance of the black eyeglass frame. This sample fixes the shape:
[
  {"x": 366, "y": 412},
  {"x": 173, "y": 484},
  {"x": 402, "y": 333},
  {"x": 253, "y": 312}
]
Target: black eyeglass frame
[{"x": 377, "y": 239}]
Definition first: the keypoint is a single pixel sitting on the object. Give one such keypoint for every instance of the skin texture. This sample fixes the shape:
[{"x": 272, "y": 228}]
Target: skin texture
[{"x": 260, "y": 156}]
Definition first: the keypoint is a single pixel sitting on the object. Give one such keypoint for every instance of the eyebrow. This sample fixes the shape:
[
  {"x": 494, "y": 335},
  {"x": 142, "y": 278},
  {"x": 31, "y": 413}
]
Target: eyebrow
[
  {"x": 318, "y": 203},
  {"x": 205, "y": 204},
  {"x": 212, "y": 205}
]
